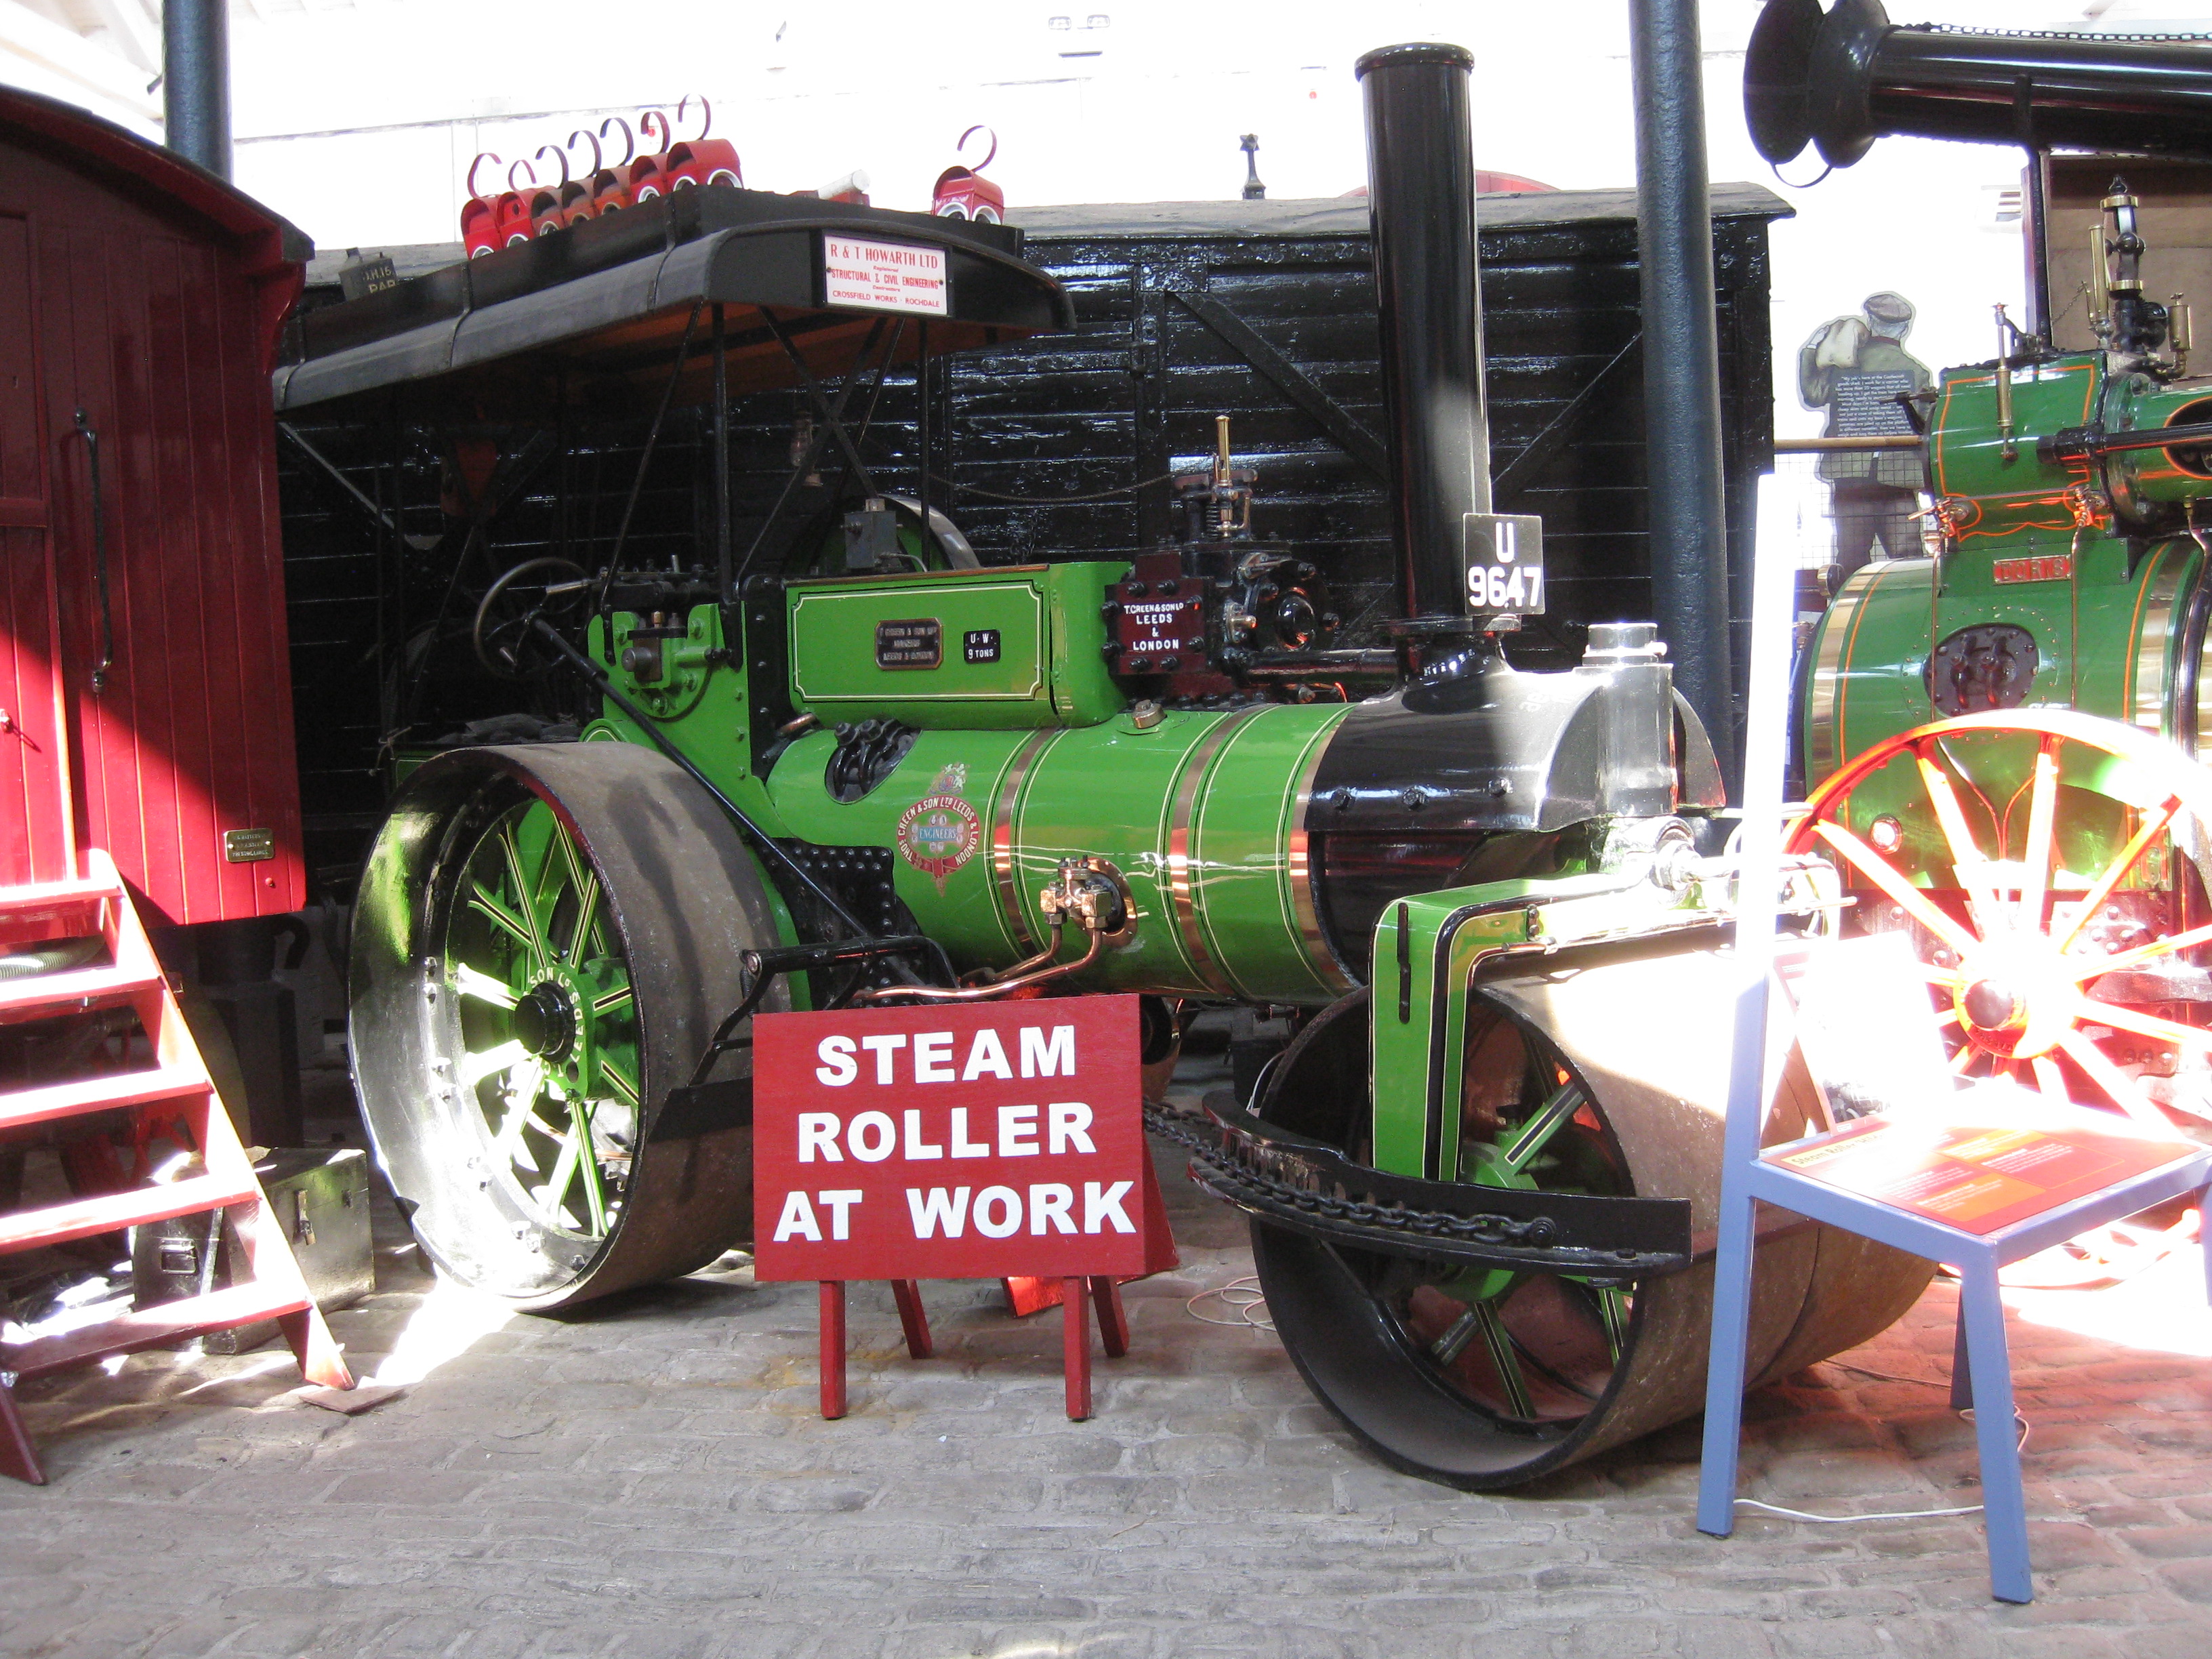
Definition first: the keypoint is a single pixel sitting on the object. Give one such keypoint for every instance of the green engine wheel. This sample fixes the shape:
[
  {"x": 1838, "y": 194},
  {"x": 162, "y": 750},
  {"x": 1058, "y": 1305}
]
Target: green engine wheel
[{"x": 545, "y": 939}]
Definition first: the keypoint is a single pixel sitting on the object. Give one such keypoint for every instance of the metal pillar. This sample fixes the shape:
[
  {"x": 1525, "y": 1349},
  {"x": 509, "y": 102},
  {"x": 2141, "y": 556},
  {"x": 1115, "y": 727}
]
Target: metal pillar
[
  {"x": 196, "y": 81},
  {"x": 1682, "y": 363}
]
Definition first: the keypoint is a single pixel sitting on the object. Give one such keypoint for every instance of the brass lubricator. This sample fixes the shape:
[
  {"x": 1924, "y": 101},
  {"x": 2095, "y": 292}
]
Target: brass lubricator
[{"x": 1093, "y": 895}]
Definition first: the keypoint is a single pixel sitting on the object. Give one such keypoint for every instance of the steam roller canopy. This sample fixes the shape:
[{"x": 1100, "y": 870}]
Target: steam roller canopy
[{"x": 1645, "y": 1033}]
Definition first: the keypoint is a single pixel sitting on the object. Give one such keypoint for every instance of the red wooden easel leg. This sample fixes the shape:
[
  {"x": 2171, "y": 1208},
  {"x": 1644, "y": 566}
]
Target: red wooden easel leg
[
  {"x": 1075, "y": 1338},
  {"x": 1113, "y": 1318},
  {"x": 912, "y": 1319},
  {"x": 17, "y": 1460},
  {"x": 833, "y": 1347}
]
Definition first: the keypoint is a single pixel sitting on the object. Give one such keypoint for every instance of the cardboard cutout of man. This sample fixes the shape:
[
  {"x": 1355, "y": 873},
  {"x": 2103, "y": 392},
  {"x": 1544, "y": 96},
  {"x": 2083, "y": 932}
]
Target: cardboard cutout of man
[{"x": 1856, "y": 368}]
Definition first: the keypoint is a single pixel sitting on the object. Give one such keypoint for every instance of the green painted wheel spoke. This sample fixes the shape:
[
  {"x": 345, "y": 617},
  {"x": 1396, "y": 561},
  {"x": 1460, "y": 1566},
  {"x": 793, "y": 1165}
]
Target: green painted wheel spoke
[
  {"x": 1454, "y": 1342},
  {"x": 1552, "y": 1116},
  {"x": 1507, "y": 1363},
  {"x": 609, "y": 1001},
  {"x": 623, "y": 1084},
  {"x": 588, "y": 1165},
  {"x": 587, "y": 914},
  {"x": 484, "y": 902},
  {"x": 479, "y": 1066},
  {"x": 555, "y": 1189},
  {"x": 511, "y": 850},
  {"x": 484, "y": 987},
  {"x": 1612, "y": 1309},
  {"x": 521, "y": 1112}
]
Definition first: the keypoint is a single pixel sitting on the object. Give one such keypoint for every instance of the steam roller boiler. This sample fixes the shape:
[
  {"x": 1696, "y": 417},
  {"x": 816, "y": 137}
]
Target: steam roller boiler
[{"x": 1482, "y": 1177}]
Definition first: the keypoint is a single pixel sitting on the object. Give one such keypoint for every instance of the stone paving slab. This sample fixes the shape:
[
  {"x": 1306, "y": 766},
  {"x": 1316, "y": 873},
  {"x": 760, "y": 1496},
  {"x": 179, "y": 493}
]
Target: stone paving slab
[{"x": 649, "y": 1478}]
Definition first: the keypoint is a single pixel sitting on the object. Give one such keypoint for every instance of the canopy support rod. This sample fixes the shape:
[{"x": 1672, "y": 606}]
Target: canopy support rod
[{"x": 806, "y": 463}]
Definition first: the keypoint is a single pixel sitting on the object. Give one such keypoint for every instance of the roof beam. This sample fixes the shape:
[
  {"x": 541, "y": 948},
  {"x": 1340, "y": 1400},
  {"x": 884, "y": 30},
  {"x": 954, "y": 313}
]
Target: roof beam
[
  {"x": 136, "y": 35},
  {"x": 25, "y": 35}
]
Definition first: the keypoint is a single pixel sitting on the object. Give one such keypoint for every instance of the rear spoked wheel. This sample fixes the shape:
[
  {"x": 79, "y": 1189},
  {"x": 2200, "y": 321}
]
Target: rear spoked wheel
[
  {"x": 547, "y": 1023},
  {"x": 2037, "y": 857},
  {"x": 546, "y": 937},
  {"x": 2040, "y": 859}
]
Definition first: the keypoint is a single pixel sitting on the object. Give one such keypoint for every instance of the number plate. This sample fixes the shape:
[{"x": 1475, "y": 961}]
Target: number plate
[{"x": 1505, "y": 564}]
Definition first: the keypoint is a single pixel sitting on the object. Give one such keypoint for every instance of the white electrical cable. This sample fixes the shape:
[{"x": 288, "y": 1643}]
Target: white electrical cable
[
  {"x": 1249, "y": 1289},
  {"x": 1892, "y": 1515}
]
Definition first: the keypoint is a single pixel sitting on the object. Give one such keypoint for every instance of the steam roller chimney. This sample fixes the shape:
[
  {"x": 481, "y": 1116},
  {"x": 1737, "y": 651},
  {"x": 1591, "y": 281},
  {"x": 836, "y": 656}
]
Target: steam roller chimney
[
  {"x": 196, "y": 81},
  {"x": 1420, "y": 193}
]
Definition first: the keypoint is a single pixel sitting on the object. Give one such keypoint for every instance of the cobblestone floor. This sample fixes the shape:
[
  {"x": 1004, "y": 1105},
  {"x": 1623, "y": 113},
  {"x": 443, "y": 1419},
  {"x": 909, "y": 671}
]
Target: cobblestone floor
[{"x": 650, "y": 1477}]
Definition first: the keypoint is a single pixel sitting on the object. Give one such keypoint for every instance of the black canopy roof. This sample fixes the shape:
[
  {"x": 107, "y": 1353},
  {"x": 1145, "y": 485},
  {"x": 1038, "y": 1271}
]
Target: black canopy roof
[{"x": 596, "y": 314}]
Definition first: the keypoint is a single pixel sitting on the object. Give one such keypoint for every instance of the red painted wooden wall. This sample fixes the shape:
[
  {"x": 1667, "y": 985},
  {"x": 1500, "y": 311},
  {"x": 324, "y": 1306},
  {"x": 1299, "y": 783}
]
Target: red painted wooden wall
[{"x": 147, "y": 294}]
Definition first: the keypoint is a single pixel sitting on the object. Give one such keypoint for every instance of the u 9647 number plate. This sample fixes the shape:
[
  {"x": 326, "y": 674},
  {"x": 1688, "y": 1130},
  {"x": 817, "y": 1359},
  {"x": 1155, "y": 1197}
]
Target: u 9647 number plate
[{"x": 1505, "y": 564}]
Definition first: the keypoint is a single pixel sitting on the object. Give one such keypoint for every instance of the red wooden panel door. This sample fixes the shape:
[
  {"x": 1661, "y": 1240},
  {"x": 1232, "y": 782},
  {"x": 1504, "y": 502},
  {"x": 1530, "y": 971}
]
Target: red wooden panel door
[
  {"x": 34, "y": 815},
  {"x": 184, "y": 766}
]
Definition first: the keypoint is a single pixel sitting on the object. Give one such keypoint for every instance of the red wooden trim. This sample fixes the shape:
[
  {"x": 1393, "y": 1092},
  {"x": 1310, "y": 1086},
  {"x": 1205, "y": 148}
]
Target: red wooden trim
[
  {"x": 912, "y": 1318},
  {"x": 56, "y": 1224},
  {"x": 21, "y": 999},
  {"x": 101, "y": 150},
  {"x": 833, "y": 1348},
  {"x": 97, "y": 1094},
  {"x": 149, "y": 1327},
  {"x": 1075, "y": 1342},
  {"x": 1113, "y": 1318}
]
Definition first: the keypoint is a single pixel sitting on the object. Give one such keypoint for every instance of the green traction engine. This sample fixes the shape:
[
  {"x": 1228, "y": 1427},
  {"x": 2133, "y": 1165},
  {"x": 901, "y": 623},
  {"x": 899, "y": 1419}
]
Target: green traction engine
[
  {"x": 878, "y": 771},
  {"x": 2001, "y": 740}
]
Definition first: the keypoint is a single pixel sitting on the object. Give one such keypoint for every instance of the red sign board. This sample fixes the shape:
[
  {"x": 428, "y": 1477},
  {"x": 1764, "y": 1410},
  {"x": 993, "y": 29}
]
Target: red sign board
[
  {"x": 2043, "y": 567},
  {"x": 950, "y": 1142}
]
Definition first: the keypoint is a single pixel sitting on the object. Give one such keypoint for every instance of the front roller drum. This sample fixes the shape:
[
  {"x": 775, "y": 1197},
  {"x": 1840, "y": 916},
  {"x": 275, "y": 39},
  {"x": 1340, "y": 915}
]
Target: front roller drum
[
  {"x": 1604, "y": 1073},
  {"x": 545, "y": 938}
]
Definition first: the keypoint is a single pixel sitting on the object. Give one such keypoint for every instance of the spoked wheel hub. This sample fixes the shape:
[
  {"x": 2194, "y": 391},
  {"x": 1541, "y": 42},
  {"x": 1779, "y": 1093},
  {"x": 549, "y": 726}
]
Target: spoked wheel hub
[{"x": 544, "y": 1022}]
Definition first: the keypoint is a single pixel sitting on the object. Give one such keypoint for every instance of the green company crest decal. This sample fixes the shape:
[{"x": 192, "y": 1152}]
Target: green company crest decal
[{"x": 941, "y": 831}]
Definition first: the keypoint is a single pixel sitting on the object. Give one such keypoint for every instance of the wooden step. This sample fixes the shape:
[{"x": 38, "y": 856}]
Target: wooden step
[
  {"x": 44, "y": 897},
  {"x": 150, "y": 1327},
  {"x": 42, "y": 995},
  {"x": 56, "y": 1224},
  {"x": 99, "y": 1094}
]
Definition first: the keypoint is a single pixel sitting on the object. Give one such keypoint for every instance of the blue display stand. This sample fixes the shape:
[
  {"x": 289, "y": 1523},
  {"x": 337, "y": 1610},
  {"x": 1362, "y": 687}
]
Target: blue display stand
[{"x": 2155, "y": 1169}]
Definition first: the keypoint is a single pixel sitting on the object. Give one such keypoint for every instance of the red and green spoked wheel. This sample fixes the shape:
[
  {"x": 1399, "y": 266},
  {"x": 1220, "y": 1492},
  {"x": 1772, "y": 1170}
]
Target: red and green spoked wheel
[
  {"x": 548, "y": 1020},
  {"x": 2044, "y": 861}
]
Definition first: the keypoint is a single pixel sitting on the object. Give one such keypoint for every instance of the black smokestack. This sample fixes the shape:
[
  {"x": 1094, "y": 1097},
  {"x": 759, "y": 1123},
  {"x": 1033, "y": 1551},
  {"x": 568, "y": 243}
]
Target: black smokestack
[
  {"x": 196, "y": 81},
  {"x": 1420, "y": 191}
]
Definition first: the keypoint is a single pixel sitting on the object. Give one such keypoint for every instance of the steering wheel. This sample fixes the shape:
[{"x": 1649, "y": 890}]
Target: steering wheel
[{"x": 506, "y": 643}]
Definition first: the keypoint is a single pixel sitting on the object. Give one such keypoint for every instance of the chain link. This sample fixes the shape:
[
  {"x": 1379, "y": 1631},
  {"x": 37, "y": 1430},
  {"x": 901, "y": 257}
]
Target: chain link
[
  {"x": 2059, "y": 35},
  {"x": 1235, "y": 1171}
]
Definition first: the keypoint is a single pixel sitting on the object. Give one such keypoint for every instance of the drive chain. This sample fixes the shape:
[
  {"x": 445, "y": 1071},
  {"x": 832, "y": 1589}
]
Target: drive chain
[{"x": 1236, "y": 1171}]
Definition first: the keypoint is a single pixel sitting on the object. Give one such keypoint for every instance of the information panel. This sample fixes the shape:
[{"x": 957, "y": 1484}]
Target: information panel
[
  {"x": 948, "y": 1142},
  {"x": 1979, "y": 1177}
]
